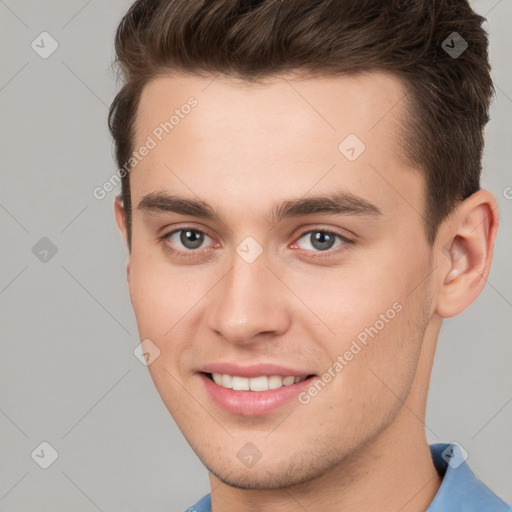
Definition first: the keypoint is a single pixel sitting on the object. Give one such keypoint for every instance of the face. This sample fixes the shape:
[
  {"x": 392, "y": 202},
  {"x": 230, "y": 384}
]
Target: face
[{"x": 279, "y": 268}]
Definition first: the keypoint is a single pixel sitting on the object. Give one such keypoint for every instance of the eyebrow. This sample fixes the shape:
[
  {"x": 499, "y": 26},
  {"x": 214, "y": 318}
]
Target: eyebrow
[{"x": 337, "y": 203}]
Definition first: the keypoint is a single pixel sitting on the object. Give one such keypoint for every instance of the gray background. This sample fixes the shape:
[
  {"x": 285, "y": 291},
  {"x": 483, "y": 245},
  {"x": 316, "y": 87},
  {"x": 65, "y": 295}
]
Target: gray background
[{"x": 68, "y": 374}]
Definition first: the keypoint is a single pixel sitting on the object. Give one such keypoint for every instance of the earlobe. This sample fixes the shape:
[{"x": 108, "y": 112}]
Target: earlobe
[{"x": 466, "y": 257}]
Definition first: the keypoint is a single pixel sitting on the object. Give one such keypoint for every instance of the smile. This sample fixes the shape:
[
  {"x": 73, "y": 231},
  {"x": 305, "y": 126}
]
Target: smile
[
  {"x": 253, "y": 394},
  {"x": 261, "y": 383}
]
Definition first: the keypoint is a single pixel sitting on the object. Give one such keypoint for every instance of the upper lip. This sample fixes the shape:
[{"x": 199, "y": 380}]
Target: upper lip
[{"x": 254, "y": 370}]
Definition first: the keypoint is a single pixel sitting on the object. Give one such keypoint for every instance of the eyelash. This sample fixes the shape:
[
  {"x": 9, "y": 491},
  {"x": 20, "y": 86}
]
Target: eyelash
[{"x": 198, "y": 252}]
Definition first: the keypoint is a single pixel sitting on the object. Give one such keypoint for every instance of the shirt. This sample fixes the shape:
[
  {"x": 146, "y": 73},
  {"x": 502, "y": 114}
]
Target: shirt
[{"x": 460, "y": 490}]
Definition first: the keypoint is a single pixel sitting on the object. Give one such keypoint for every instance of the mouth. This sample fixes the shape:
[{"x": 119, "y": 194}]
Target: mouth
[
  {"x": 259, "y": 383},
  {"x": 256, "y": 395}
]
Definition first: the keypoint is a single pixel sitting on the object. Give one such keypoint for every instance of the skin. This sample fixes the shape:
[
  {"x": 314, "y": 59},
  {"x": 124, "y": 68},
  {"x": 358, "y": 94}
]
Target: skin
[{"x": 359, "y": 444}]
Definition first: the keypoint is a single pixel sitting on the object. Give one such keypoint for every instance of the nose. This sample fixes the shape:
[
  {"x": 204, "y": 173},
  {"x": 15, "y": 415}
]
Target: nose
[{"x": 249, "y": 304}]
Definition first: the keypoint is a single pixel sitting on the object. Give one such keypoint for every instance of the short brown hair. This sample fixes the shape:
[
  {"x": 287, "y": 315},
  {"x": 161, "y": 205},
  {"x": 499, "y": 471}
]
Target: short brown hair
[{"x": 448, "y": 97}]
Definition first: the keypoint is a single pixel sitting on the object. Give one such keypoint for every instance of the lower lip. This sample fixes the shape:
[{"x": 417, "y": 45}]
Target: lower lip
[{"x": 252, "y": 403}]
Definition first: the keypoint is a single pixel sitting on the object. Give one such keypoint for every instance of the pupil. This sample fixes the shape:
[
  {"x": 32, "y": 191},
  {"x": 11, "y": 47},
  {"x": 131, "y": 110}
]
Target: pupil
[
  {"x": 191, "y": 239},
  {"x": 322, "y": 240}
]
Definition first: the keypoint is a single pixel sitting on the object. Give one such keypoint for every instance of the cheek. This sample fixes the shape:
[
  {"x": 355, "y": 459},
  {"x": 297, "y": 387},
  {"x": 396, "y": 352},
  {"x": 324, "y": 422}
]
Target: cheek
[
  {"x": 376, "y": 376},
  {"x": 165, "y": 299},
  {"x": 347, "y": 301},
  {"x": 376, "y": 325},
  {"x": 158, "y": 293}
]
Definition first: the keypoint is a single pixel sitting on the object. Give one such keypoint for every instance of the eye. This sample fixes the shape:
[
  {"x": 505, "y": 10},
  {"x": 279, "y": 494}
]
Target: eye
[
  {"x": 322, "y": 240},
  {"x": 188, "y": 241},
  {"x": 189, "y": 238}
]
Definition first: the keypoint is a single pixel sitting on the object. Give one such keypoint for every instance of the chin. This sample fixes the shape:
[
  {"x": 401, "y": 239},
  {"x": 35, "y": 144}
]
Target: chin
[
  {"x": 259, "y": 481},
  {"x": 273, "y": 475}
]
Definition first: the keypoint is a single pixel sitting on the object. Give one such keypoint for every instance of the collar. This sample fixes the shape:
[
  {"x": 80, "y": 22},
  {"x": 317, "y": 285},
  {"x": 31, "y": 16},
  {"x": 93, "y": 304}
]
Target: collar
[{"x": 460, "y": 490}]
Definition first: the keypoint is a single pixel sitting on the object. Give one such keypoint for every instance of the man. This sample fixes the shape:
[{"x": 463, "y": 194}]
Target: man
[{"x": 302, "y": 207}]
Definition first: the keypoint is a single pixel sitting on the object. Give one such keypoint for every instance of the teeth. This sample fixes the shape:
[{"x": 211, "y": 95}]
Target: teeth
[
  {"x": 227, "y": 381},
  {"x": 240, "y": 384},
  {"x": 288, "y": 380},
  {"x": 275, "y": 382},
  {"x": 258, "y": 384},
  {"x": 262, "y": 383}
]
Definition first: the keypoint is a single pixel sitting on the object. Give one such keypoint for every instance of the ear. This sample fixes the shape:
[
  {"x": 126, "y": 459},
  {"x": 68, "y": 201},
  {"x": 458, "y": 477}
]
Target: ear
[
  {"x": 121, "y": 224},
  {"x": 466, "y": 247}
]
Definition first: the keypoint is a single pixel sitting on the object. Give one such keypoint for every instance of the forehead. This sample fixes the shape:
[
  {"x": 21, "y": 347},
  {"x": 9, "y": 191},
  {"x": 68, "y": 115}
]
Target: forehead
[
  {"x": 274, "y": 139},
  {"x": 314, "y": 107}
]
